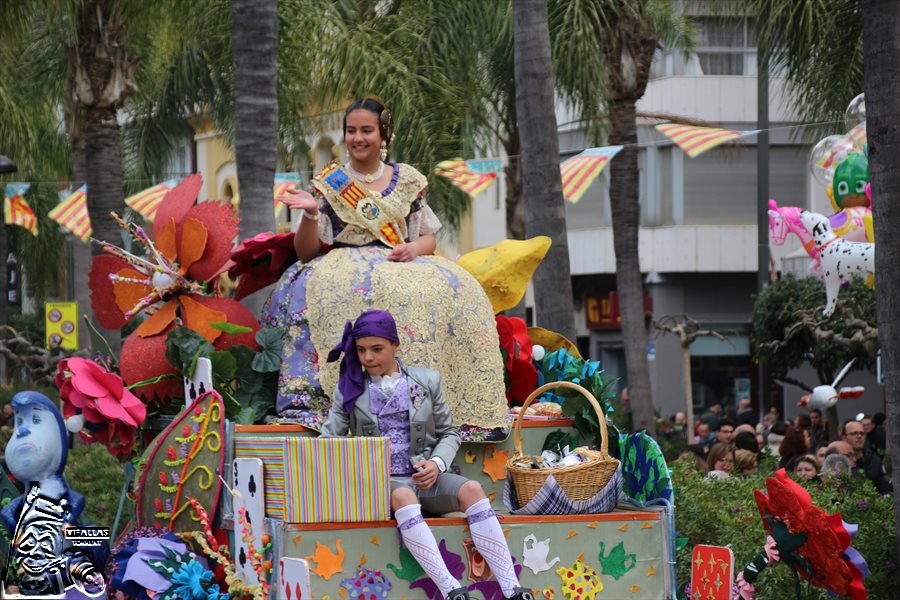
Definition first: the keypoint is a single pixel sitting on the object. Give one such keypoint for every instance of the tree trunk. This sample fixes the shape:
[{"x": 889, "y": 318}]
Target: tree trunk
[
  {"x": 515, "y": 208},
  {"x": 103, "y": 163},
  {"x": 254, "y": 48},
  {"x": 626, "y": 220},
  {"x": 688, "y": 391},
  {"x": 881, "y": 47},
  {"x": 545, "y": 213}
]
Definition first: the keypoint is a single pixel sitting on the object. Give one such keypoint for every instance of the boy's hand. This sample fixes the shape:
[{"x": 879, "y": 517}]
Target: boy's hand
[{"x": 426, "y": 475}]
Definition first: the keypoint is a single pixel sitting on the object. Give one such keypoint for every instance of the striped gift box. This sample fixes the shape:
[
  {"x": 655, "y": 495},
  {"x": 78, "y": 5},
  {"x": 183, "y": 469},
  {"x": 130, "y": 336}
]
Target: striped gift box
[
  {"x": 335, "y": 480},
  {"x": 271, "y": 451}
]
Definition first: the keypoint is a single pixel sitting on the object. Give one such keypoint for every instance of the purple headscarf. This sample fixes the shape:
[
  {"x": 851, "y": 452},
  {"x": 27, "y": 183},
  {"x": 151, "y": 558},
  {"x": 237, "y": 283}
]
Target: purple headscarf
[{"x": 377, "y": 323}]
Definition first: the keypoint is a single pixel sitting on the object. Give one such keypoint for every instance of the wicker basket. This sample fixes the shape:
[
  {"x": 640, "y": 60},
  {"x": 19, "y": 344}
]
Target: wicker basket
[{"x": 581, "y": 481}]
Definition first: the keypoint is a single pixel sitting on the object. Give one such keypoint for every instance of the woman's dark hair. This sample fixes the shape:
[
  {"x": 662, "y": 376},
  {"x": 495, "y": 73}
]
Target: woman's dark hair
[
  {"x": 746, "y": 441},
  {"x": 385, "y": 119},
  {"x": 803, "y": 421},
  {"x": 793, "y": 444}
]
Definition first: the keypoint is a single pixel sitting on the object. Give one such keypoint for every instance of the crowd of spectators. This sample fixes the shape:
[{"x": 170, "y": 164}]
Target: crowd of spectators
[{"x": 728, "y": 443}]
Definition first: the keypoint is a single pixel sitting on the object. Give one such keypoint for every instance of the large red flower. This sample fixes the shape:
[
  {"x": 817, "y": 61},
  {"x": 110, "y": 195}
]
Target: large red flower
[
  {"x": 172, "y": 284},
  {"x": 111, "y": 412},
  {"x": 821, "y": 558},
  {"x": 260, "y": 261},
  {"x": 514, "y": 340}
]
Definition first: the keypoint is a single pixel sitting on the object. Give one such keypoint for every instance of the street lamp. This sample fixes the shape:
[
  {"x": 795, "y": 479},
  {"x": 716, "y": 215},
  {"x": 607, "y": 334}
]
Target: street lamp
[{"x": 7, "y": 166}]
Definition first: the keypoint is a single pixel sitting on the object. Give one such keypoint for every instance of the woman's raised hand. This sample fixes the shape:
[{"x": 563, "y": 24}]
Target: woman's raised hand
[{"x": 300, "y": 200}]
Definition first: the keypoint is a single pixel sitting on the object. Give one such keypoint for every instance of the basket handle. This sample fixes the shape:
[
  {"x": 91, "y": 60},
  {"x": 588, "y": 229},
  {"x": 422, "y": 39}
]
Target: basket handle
[{"x": 604, "y": 434}]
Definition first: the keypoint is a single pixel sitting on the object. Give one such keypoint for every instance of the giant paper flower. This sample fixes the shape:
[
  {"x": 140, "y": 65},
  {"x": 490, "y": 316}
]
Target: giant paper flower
[
  {"x": 171, "y": 284},
  {"x": 825, "y": 558},
  {"x": 112, "y": 414}
]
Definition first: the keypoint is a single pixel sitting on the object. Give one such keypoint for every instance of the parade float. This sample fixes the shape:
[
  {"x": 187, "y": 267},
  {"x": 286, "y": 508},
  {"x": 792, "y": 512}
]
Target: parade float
[{"x": 231, "y": 497}]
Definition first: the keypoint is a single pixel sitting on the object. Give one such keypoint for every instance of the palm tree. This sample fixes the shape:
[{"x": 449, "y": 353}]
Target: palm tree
[
  {"x": 545, "y": 213},
  {"x": 254, "y": 44},
  {"x": 629, "y": 34},
  {"x": 881, "y": 24},
  {"x": 254, "y": 49}
]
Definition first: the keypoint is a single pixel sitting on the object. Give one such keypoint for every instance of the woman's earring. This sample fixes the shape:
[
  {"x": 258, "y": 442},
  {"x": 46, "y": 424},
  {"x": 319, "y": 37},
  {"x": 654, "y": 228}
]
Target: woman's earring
[{"x": 383, "y": 151}]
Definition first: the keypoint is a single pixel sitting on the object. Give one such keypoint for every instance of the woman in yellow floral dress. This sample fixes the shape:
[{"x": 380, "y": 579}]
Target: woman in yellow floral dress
[{"x": 366, "y": 240}]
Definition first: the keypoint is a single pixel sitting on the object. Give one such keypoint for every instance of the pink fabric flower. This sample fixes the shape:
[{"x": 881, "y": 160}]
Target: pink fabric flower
[{"x": 111, "y": 412}]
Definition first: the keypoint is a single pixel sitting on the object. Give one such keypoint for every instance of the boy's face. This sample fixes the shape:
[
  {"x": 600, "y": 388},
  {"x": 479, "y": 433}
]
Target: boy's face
[{"x": 377, "y": 355}]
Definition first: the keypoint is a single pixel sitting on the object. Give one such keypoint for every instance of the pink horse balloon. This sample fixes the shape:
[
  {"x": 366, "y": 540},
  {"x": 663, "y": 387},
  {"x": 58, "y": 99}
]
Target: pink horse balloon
[{"x": 850, "y": 224}]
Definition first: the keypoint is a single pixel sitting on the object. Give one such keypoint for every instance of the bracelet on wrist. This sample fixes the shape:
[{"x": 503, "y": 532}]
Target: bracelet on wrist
[{"x": 308, "y": 215}]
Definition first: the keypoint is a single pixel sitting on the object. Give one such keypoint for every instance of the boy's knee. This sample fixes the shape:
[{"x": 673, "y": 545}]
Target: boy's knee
[
  {"x": 469, "y": 493},
  {"x": 402, "y": 496}
]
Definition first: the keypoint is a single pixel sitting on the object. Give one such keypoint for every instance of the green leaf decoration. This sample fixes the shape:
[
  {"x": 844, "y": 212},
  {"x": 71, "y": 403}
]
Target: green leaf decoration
[
  {"x": 224, "y": 365},
  {"x": 559, "y": 439},
  {"x": 153, "y": 380},
  {"x": 183, "y": 347},
  {"x": 232, "y": 328},
  {"x": 271, "y": 342},
  {"x": 246, "y": 416},
  {"x": 409, "y": 569},
  {"x": 100, "y": 345}
]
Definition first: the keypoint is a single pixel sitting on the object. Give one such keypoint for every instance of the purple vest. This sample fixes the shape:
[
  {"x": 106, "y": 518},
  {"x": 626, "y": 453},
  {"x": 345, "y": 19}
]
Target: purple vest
[{"x": 393, "y": 423}]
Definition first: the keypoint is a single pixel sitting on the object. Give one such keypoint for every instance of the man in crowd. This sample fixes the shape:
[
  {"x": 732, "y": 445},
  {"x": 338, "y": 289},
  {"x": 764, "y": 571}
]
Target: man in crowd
[
  {"x": 705, "y": 437},
  {"x": 745, "y": 412},
  {"x": 868, "y": 462},
  {"x": 818, "y": 433},
  {"x": 725, "y": 432}
]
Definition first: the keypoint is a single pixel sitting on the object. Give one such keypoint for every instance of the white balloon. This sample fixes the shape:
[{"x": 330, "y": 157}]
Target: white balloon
[
  {"x": 537, "y": 352},
  {"x": 75, "y": 423}
]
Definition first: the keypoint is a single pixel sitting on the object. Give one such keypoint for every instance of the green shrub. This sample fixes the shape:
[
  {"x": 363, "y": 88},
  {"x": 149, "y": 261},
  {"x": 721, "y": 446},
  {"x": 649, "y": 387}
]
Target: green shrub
[
  {"x": 95, "y": 474},
  {"x": 723, "y": 511}
]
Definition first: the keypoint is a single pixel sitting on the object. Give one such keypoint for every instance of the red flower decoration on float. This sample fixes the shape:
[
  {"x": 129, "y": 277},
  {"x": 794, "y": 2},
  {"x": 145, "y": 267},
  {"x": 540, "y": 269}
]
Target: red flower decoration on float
[
  {"x": 826, "y": 559},
  {"x": 112, "y": 414},
  {"x": 260, "y": 261},
  {"x": 521, "y": 372},
  {"x": 172, "y": 283}
]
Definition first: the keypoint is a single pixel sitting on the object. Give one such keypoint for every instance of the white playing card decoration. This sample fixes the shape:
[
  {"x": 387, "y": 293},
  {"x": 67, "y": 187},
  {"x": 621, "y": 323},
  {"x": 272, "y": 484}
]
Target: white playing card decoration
[{"x": 247, "y": 477}]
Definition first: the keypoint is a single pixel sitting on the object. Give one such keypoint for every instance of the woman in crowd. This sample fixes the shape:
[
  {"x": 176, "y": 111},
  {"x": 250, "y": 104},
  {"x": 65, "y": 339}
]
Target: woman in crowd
[{"x": 720, "y": 460}]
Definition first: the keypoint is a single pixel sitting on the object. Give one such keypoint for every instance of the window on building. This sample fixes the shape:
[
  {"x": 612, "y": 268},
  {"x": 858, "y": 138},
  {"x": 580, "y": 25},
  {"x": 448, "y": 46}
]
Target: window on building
[{"x": 725, "y": 46}]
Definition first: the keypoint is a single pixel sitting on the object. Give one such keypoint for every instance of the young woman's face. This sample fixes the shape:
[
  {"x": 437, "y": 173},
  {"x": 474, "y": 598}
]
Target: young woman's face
[
  {"x": 726, "y": 463},
  {"x": 377, "y": 355},
  {"x": 805, "y": 470},
  {"x": 362, "y": 136}
]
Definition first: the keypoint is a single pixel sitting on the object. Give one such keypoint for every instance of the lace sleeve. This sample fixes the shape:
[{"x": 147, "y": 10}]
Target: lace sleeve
[{"x": 421, "y": 219}]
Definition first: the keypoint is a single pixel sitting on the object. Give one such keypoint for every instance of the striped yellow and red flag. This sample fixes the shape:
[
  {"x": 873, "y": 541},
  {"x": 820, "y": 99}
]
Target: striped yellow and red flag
[
  {"x": 284, "y": 184},
  {"x": 72, "y": 213},
  {"x": 16, "y": 210},
  {"x": 580, "y": 171},
  {"x": 147, "y": 202},
  {"x": 697, "y": 140},
  {"x": 462, "y": 176}
]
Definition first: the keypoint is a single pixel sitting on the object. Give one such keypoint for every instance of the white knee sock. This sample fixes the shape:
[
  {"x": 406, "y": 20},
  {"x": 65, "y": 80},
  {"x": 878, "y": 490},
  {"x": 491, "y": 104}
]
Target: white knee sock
[
  {"x": 420, "y": 541},
  {"x": 491, "y": 543}
]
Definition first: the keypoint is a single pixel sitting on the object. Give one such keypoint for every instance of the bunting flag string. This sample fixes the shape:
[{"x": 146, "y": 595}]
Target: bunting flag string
[
  {"x": 582, "y": 169},
  {"x": 461, "y": 174},
  {"x": 16, "y": 210},
  {"x": 697, "y": 140},
  {"x": 72, "y": 214},
  {"x": 147, "y": 201},
  {"x": 284, "y": 184}
]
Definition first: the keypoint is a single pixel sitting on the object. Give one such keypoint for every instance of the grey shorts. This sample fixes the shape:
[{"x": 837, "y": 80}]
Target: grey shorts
[{"x": 439, "y": 499}]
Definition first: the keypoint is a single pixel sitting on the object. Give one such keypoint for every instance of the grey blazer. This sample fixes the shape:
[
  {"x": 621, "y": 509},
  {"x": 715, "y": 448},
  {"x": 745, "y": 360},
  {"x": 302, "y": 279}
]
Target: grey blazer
[{"x": 430, "y": 424}]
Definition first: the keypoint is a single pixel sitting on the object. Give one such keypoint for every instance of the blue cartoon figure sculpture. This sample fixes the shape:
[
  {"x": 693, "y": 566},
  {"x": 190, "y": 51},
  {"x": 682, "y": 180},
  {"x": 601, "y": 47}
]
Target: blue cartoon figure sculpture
[{"x": 42, "y": 560}]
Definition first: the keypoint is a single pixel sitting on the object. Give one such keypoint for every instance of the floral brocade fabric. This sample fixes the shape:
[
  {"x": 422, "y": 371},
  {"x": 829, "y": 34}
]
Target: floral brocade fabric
[{"x": 444, "y": 319}]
